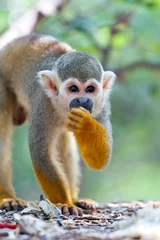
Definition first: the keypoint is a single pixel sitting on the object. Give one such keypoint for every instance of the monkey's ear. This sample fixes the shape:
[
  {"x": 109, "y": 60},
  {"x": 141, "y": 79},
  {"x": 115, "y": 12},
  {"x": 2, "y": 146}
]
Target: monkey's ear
[
  {"x": 48, "y": 80},
  {"x": 108, "y": 79}
]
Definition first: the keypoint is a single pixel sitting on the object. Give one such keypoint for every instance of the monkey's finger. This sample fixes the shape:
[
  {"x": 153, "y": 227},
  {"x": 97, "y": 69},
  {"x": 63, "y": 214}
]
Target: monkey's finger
[
  {"x": 75, "y": 117},
  {"x": 80, "y": 212},
  {"x": 6, "y": 206},
  {"x": 14, "y": 205},
  {"x": 18, "y": 205},
  {"x": 74, "y": 124},
  {"x": 60, "y": 205},
  {"x": 76, "y": 211},
  {"x": 70, "y": 128},
  {"x": 73, "y": 210},
  {"x": 78, "y": 111},
  {"x": 86, "y": 205},
  {"x": 22, "y": 203},
  {"x": 65, "y": 210},
  {"x": 84, "y": 110}
]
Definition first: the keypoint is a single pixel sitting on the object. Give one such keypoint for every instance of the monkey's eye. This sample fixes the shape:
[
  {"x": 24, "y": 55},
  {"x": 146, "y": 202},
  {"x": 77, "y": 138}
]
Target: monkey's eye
[
  {"x": 73, "y": 88},
  {"x": 90, "y": 89}
]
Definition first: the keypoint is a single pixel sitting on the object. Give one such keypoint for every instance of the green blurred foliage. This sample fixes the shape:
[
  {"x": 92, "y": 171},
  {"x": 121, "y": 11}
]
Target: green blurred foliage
[{"x": 130, "y": 30}]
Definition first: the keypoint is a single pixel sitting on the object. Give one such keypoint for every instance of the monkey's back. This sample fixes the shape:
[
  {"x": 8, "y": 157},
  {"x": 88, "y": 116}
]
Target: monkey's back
[
  {"x": 21, "y": 53},
  {"x": 21, "y": 59}
]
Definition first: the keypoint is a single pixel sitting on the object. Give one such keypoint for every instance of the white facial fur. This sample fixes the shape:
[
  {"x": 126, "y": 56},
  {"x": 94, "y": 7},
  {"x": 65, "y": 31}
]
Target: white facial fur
[{"x": 61, "y": 96}]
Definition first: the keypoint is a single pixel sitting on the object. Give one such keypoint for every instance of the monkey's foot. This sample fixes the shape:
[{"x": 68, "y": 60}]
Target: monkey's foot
[
  {"x": 10, "y": 204},
  {"x": 86, "y": 203},
  {"x": 70, "y": 210}
]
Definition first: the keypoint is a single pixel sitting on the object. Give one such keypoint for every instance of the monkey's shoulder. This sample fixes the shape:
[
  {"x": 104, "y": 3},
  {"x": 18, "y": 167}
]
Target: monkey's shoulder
[{"x": 34, "y": 47}]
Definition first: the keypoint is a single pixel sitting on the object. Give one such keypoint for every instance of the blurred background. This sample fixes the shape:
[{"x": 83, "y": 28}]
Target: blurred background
[{"x": 125, "y": 36}]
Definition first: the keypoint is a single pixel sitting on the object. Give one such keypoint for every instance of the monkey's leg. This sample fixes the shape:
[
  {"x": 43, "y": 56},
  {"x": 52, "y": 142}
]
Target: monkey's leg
[
  {"x": 8, "y": 200},
  {"x": 70, "y": 159},
  {"x": 48, "y": 169}
]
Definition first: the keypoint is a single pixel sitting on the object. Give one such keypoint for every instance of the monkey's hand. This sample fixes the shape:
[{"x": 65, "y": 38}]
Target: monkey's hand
[
  {"x": 91, "y": 137},
  {"x": 10, "y": 204},
  {"x": 70, "y": 210},
  {"x": 86, "y": 203}
]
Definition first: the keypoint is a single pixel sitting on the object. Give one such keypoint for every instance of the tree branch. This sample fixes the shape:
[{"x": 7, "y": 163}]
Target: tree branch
[
  {"x": 27, "y": 23},
  {"x": 141, "y": 64},
  {"x": 114, "y": 29}
]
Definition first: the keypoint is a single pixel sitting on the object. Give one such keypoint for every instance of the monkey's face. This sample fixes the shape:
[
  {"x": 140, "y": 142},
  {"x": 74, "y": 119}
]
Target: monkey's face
[{"x": 73, "y": 93}]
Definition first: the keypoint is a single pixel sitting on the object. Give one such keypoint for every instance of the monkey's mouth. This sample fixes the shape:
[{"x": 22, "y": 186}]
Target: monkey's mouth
[{"x": 84, "y": 102}]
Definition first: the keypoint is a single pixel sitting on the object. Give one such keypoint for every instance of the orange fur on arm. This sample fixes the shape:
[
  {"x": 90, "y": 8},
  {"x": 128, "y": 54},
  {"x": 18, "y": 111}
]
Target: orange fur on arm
[
  {"x": 91, "y": 137},
  {"x": 94, "y": 145}
]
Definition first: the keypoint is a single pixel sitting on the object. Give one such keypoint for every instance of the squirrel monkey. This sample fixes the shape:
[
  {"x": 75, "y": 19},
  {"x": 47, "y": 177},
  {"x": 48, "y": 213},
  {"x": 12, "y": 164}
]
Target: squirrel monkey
[{"x": 65, "y": 96}]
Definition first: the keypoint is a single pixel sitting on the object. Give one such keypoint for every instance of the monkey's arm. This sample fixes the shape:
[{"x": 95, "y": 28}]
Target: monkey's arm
[
  {"x": 92, "y": 138},
  {"x": 42, "y": 141}
]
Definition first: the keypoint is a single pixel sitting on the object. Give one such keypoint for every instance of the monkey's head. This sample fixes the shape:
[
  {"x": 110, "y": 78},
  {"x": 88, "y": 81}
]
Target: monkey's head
[{"x": 77, "y": 80}]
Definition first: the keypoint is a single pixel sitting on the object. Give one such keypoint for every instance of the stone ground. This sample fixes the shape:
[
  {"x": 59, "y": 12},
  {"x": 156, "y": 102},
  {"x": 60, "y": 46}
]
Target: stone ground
[{"x": 113, "y": 220}]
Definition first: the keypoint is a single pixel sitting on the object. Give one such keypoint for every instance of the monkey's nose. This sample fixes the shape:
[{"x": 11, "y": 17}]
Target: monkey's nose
[{"x": 84, "y": 102}]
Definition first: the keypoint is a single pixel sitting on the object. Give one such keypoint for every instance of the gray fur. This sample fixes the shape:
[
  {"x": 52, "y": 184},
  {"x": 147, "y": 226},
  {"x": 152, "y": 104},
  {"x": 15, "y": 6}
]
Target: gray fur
[
  {"x": 104, "y": 119},
  {"x": 79, "y": 65},
  {"x": 19, "y": 63}
]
